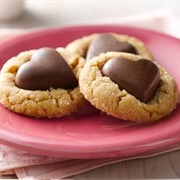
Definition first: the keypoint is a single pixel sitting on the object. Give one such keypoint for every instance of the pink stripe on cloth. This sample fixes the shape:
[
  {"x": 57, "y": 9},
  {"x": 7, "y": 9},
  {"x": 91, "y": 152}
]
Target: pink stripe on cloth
[{"x": 11, "y": 158}]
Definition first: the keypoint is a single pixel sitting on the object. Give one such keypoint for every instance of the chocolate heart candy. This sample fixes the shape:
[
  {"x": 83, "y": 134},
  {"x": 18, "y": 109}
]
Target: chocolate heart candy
[
  {"x": 139, "y": 78},
  {"x": 106, "y": 42},
  {"x": 46, "y": 69}
]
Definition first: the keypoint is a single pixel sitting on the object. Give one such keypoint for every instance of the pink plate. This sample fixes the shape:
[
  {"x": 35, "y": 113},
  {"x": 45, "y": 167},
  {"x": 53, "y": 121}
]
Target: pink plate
[{"x": 91, "y": 134}]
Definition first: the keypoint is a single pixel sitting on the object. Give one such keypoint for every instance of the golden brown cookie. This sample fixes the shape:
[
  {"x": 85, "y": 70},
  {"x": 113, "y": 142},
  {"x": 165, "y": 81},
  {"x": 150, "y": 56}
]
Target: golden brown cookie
[
  {"x": 52, "y": 102},
  {"x": 106, "y": 95},
  {"x": 81, "y": 46}
]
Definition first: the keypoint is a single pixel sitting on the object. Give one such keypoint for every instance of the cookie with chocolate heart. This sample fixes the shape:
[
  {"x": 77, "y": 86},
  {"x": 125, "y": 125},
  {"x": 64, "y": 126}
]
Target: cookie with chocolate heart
[
  {"x": 42, "y": 83},
  {"x": 129, "y": 87},
  {"x": 95, "y": 44}
]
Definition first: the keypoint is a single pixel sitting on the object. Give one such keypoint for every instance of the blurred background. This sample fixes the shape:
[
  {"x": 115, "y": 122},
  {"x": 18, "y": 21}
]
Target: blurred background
[{"x": 27, "y": 14}]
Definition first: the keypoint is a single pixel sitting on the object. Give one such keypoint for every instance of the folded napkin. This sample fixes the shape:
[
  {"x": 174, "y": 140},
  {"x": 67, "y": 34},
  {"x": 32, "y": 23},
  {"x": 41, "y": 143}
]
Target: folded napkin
[{"x": 31, "y": 166}]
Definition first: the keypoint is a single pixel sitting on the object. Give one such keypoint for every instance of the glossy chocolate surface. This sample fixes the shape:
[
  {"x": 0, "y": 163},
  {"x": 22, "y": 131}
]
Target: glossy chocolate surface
[
  {"x": 139, "y": 78},
  {"x": 106, "y": 42},
  {"x": 46, "y": 69}
]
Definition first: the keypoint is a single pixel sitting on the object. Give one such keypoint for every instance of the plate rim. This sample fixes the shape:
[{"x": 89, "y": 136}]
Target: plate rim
[{"x": 43, "y": 30}]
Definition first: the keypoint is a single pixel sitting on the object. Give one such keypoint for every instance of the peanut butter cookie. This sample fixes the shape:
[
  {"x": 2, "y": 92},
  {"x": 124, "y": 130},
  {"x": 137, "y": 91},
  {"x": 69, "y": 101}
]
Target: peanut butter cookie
[
  {"x": 42, "y": 83},
  {"x": 95, "y": 44},
  {"x": 122, "y": 94}
]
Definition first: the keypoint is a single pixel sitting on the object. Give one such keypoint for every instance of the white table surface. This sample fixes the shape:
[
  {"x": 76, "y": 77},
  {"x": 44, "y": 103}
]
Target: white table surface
[{"x": 48, "y": 13}]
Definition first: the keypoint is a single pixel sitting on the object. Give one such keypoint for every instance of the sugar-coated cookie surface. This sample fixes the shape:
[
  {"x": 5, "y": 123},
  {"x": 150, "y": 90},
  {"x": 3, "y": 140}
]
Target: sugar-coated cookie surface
[
  {"x": 53, "y": 102},
  {"x": 80, "y": 46},
  {"x": 106, "y": 95}
]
